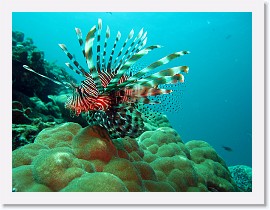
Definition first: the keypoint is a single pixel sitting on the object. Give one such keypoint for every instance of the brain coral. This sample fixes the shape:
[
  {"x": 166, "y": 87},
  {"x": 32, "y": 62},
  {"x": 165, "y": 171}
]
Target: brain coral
[
  {"x": 70, "y": 158},
  {"x": 155, "y": 121}
]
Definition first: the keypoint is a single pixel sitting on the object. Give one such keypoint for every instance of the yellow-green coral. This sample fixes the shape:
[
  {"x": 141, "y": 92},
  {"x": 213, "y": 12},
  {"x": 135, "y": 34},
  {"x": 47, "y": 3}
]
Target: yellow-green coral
[{"x": 70, "y": 158}]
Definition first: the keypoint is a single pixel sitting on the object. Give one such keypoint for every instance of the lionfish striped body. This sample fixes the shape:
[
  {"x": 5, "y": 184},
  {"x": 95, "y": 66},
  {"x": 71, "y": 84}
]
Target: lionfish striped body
[{"x": 110, "y": 92}]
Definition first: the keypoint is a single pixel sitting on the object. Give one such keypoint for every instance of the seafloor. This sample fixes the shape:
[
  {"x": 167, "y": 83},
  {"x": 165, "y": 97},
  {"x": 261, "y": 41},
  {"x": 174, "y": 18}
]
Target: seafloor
[{"x": 54, "y": 152}]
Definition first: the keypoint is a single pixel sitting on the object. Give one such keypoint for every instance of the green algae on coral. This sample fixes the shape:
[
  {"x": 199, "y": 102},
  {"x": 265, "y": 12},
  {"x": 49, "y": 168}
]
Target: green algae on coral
[{"x": 70, "y": 158}]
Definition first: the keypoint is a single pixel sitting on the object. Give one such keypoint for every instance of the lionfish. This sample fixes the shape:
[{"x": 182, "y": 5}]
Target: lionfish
[{"x": 111, "y": 92}]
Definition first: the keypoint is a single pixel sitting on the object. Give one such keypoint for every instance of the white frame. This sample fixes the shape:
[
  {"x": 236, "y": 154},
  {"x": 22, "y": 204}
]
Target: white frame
[{"x": 257, "y": 9}]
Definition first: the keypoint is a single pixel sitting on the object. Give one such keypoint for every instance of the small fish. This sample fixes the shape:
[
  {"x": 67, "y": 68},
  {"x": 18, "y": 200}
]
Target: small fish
[
  {"x": 229, "y": 149},
  {"x": 109, "y": 13}
]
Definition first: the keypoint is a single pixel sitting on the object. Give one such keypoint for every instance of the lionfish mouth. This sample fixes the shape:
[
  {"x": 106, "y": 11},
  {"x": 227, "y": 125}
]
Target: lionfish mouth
[{"x": 111, "y": 92}]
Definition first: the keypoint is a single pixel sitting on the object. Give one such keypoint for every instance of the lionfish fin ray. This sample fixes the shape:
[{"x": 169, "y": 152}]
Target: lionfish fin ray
[
  {"x": 168, "y": 76},
  {"x": 130, "y": 35},
  {"x": 75, "y": 70},
  {"x": 153, "y": 66},
  {"x": 98, "y": 45},
  {"x": 131, "y": 61},
  {"x": 118, "y": 36},
  {"x": 79, "y": 36},
  {"x": 103, "y": 67},
  {"x": 75, "y": 62},
  {"x": 132, "y": 49},
  {"x": 89, "y": 58},
  {"x": 151, "y": 92},
  {"x": 41, "y": 75}
]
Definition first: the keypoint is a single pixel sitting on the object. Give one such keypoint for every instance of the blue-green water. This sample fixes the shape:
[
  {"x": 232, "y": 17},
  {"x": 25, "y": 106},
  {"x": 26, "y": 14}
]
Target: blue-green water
[{"x": 216, "y": 100}]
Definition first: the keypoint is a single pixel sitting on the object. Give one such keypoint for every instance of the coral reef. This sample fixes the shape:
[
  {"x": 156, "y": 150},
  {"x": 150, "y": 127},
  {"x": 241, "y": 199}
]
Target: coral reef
[
  {"x": 27, "y": 123},
  {"x": 155, "y": 121},
  {"x": 32, "y": 110},
  {"x": 50, "y": 155},
  {"x": 70, "y": 158},
  {"x": 194, "y": 166},
  {"x": 242, "y": 176},
  {"x": 24, "y": 52}
]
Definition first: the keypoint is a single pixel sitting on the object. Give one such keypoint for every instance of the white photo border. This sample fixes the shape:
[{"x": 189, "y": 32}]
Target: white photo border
[{"x": 194, "y": 198}]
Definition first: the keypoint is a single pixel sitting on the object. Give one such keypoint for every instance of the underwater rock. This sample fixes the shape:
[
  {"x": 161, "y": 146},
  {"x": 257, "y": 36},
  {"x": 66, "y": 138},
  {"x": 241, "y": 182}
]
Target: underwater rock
[
  {"x": 128, "y": 148},
  {"x": 22, "y": 98},
  {"x": 47, "y": 111},
  {"x": 70, "y": 158},
  {"x": 24, "y": 52},
  {"x": 93, "y": 143},
  {"x": 57, "y": 167},
  {"x": 96, "y": 182},
  {"x": 19, "y": 114},
  {"x": 156, "y": 121},
  {"x": 39, "y": 105},
  {"x": 127, "y": 172},
  {"x": 32, "y": 109},
  {"x": 37, "y": 56},
  {"x": 211, "y": 166},
  {"x": 17, "y": 36},
  {"x": 17, "y": 105},
  {"x": 242, "y": 176},
  {"x": 194, "y": 166},
  {"x": 23, "y": 134},
  {"x": 58, "y": 136},
  {"x": 28, "y": 122},
  {"x": 25, "y": 155},
  {"x": 23, "y": 180}
]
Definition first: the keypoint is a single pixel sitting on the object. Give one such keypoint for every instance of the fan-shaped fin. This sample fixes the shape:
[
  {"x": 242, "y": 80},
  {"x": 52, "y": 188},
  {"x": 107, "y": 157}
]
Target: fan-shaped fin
[
  {"x": 131, "y": 50},
  {"x": 125, "y": 43},
  {"x": 154, "y": 65},
  {"x": 168, "y": 76},
  {"x": 75, "y": 62},
  {"x": 126, "y": 66},
  {"x": 98, "y": 44},
  {"x": 79, "y": 36},
  {"x": 118, "y": 36},
  {"x": 103, "y": 67},
  {"x": 150, "y": 92},
  {"x": 89, "y": 58}
]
